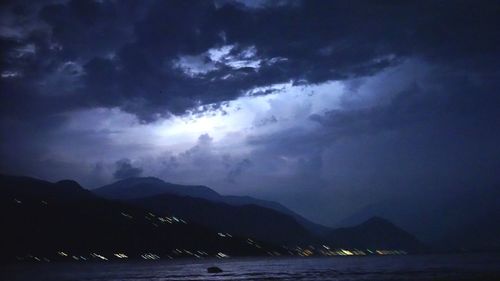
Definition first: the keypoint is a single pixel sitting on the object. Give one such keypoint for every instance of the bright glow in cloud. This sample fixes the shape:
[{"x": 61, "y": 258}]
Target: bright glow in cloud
[
  {"x": 251, "y": 115},
  {"x": 217, "y": 142},
  {"x": 283, "y": 107},
  {"x": 254, "y": 114},
  {"x": 221, "y": 141}
]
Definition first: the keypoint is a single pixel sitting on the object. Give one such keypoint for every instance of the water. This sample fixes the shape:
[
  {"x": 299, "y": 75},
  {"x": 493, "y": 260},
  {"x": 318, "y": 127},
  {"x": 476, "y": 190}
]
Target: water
[{"x": 374, "y": 268}]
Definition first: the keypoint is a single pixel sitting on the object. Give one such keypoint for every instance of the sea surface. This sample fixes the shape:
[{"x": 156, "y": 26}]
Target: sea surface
[{"x": 375, "y": 268}]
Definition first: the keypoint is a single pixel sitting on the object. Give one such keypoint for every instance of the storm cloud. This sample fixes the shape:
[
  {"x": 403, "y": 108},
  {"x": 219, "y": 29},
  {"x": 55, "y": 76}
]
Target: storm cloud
[{"x": 124, "y": 169}]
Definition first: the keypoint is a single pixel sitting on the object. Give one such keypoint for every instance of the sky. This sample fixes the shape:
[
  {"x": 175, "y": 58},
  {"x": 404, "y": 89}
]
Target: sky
[{"x": 328, "y": 107}]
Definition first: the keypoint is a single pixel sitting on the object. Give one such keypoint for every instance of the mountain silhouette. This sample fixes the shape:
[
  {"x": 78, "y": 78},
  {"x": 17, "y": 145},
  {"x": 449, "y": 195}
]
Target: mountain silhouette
[
  {"x": 446, "y": 223},
  {"x": 250, "y": 217},
  {"x": 375, "y": 233},
  {"x": 42, "y": 218},
  {"x": 245, "y": 220},
  {"x": 141, "y": 187},
  {"x": 133, "y": 188}
]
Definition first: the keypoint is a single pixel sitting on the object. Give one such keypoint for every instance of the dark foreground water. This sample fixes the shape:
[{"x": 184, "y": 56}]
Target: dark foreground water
[{"x": 429, "y": 267}]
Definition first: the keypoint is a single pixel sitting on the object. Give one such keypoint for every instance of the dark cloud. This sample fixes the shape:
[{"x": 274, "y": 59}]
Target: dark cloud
[
  {"x": 125, "y": 169},
  {"x": 447, "y": 100},
  {"x": 122, "y": 53},
  {"x": 433, "y": 138}
]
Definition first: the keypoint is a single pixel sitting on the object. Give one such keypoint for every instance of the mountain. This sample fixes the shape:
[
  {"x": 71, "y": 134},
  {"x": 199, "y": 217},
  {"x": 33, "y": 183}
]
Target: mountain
[
  {"x": 375, "y": 233},
  {"x": 464, "y": 220},
  {"x": 42, "y": 219},
  {"x": 133, "y": 188},
  {"x": 141, "y": 187},
  {"x": 244, "y": 220},
  {"x": 250, "y": 217},
  {"x": 314, "y": 228}
]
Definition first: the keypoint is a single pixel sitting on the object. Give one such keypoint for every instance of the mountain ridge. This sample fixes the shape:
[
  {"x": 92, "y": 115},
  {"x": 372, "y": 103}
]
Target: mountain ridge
[
  {"x": 374, "y": 233},
  {"x": 44, "y": 218},
  {"x": 248, "y": 220},
  {"x": 141, "y": 187},
  {"x": 166, "y": 197}
]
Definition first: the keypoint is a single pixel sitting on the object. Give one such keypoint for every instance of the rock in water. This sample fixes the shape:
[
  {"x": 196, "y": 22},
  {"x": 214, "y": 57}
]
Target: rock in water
[{"x": 214, "y": 269}]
